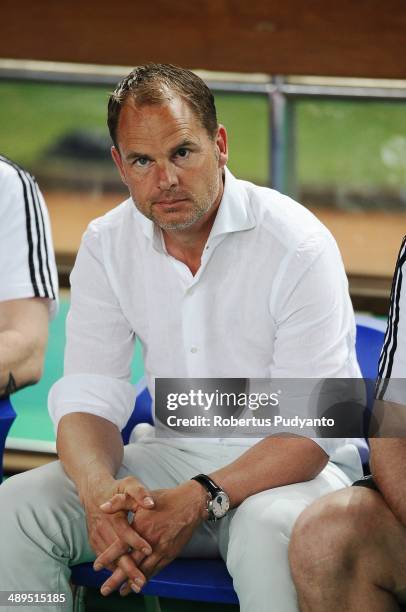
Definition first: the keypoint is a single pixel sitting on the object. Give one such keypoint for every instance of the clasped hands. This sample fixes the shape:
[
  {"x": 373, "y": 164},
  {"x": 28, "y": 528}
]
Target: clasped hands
[{"x": 164, "y": 520}]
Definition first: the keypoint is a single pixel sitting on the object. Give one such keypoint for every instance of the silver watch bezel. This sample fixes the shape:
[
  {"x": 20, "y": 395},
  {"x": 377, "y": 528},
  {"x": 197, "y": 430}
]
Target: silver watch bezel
[{"x": 216, "y": 509}]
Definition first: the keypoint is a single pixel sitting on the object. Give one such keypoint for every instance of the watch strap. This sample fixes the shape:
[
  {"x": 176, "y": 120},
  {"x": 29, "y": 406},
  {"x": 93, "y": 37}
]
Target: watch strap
[{"x": 208, "y": 484}]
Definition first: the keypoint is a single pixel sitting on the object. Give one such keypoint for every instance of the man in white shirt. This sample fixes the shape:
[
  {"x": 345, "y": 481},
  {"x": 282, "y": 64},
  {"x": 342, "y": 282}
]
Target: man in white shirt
[
  {"x": 28, "y": 279},
  {"x": 358, "y": 560},
  {"x": 217, "y": 278}
]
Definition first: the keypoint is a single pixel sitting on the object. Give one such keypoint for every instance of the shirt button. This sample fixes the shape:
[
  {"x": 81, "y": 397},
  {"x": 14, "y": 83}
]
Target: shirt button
[
  {"x": 190, "y": 291},
  {"x": 193, "y": 349}
]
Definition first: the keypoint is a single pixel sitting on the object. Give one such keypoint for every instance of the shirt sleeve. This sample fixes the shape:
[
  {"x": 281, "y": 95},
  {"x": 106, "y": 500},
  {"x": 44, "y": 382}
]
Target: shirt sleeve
[
  {"x": 392, "y": 362},
  {"x": 26, "y": 251},
  {"x": 99, "y": 346},
  {"x": 315, "y": 335},
  {"x": 315, "y": 326}
]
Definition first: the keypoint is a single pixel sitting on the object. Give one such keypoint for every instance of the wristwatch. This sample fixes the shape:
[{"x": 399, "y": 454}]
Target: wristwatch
[{"x": 219, "y": 503}]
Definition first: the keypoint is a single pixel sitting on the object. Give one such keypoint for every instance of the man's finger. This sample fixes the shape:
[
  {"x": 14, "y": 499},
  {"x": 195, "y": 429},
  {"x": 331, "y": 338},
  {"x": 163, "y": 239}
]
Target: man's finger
[
  {"x": 109, "y": 555},
  {"x": 134, "y": 489},
  {"x": 138, "y": 557},
  {"x": 128, "y": 501},
  {"x": 127, "y": 570},
  {"x": 119, "y": 548},
  {"x": 119, "y": 501},
  {"x": 121, "y": 578},
  {"x": 117, "y": 528},
  {"x": 129, "y": 536}
]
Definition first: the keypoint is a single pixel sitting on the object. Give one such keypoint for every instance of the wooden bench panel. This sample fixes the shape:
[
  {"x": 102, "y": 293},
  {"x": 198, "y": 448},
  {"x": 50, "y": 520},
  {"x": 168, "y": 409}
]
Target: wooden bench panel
[{"x": 347, "y": 38}]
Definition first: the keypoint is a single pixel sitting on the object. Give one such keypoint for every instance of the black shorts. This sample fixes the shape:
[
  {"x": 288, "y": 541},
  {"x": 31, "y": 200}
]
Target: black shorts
[{"x": 366, "y": 481}]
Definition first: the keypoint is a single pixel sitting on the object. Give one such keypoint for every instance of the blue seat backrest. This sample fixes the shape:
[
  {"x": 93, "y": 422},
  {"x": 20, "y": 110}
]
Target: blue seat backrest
[
  {"x": 369, "y": 343},
  {"x": 140, "y": 414}
]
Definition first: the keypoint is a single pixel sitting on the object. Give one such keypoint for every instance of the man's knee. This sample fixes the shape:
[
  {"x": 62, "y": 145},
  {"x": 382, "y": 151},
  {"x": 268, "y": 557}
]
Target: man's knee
[
  {"x": 15, "y": 502},
  {"x": 328, "y": 538},
  {"x": 15, "y": 492},
  {"x": 31, "y": 493}
]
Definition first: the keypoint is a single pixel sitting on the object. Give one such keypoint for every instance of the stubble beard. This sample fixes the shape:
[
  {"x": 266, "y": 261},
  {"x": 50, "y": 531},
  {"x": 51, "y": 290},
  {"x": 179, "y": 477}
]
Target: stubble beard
[{"x": 199, "y": 208}]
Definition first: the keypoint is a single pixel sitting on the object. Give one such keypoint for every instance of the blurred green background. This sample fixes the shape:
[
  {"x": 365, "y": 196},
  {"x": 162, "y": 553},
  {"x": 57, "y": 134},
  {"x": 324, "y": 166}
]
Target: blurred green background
[{"x": 339, "y": 143}]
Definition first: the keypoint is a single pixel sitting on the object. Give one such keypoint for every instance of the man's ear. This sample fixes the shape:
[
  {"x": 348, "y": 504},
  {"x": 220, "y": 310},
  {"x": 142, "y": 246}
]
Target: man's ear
[
  {"x": 222, "y": 147},
  {"x": 115, "y": 154}
]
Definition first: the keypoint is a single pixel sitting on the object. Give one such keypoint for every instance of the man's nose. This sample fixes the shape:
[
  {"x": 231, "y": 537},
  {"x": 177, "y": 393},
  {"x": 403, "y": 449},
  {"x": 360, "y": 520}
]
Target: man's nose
[{"x": 167, "y": 176}]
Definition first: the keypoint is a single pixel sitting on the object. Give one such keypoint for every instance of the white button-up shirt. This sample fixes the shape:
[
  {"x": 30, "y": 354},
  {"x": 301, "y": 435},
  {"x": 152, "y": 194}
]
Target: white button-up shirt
[{"x": 270, "y": 299}]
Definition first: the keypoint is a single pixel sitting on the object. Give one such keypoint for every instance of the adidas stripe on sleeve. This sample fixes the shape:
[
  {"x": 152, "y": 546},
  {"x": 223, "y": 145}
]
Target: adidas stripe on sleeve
[
  {"x": 392, "y": 362},
  {"x": 27, "y": 262}
]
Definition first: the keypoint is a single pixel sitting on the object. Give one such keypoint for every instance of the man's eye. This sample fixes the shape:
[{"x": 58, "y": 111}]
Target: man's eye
[
  {"x": 182, "y": 153},
  {"x": 141, "y": 161}
]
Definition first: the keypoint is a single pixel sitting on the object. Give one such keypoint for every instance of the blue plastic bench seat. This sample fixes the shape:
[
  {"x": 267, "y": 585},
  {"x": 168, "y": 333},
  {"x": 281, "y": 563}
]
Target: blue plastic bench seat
[
  {"x": 192, "y": 579},
  {"x": 7, "y": 416}
]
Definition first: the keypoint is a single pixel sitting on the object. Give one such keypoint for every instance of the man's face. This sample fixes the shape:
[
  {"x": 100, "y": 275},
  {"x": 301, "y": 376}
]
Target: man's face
[{"x": 172, "y": 168}]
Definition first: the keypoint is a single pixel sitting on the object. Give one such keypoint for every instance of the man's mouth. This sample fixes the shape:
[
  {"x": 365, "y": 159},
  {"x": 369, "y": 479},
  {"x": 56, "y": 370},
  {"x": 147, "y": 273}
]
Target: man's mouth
[{"x": 169, "y": 203}]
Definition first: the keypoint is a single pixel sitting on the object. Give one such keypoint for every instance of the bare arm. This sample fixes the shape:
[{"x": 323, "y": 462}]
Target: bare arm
[
  {"x": 272, "y": 462},
  {"x": 23, "y": 339},
  {"x": 101, "y": 451},
  {"x": 388, "y": 460}
]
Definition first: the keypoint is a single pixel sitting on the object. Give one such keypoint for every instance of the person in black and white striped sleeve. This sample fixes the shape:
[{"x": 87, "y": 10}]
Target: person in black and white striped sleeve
[
  {"x": 392, "y": 363},
  {"x": 358, "y": 559},
  {"x": 28, "y": 278}
]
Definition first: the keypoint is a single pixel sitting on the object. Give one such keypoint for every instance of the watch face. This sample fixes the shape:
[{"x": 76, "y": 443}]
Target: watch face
[{"x": 220, "y": 505}]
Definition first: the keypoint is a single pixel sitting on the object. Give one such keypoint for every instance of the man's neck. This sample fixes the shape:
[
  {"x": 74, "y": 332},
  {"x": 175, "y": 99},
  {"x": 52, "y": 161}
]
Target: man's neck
[{"x": 187, "y": 245}]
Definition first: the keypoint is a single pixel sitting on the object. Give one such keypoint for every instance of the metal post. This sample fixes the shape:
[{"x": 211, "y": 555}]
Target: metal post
[{"x": 282, "y": 138}]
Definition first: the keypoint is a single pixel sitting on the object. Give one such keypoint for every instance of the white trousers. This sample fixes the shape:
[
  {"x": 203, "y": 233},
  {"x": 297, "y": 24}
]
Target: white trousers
[{"x": 43, "y": 528}]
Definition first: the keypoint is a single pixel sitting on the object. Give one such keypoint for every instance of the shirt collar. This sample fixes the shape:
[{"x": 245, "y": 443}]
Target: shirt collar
[
  {"x": 149, "y": 229},
  {"x": 233, "y": 215}
]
